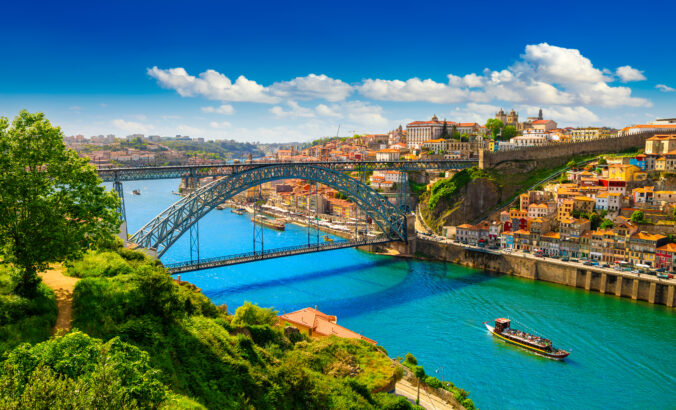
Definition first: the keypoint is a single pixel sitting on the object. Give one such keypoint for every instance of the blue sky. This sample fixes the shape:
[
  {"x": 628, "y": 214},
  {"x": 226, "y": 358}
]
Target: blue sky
[{"x": 290, "y": 71}]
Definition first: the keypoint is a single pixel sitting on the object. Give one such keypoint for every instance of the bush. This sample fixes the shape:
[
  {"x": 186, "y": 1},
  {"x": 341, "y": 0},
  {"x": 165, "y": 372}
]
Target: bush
[
  {"x": 80, "y": 372},
  {"x": 24, "y": 319},
  {"x": 250, "y": 314},
  {"x": 98, "y": 264},
  {"x": 410, "y": 359}
]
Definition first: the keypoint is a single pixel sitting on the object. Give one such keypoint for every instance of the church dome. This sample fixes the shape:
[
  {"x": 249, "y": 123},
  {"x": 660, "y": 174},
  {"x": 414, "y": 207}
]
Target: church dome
[{"x": 434, "y": 118}]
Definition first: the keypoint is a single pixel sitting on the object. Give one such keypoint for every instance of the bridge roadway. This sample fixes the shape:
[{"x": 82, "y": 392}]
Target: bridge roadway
[
  {"x": 182, "y": 267},
  {"x": 219, "y": 170}
]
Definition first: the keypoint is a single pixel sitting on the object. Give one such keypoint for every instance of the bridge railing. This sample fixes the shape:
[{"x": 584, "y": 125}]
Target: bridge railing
[{"x": 244, "y": 256}]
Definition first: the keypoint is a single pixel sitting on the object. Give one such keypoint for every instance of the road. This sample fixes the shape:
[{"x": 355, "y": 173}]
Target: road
[
  {"x": 427, "y": 401},
  {"x": 580, "y": 264}
]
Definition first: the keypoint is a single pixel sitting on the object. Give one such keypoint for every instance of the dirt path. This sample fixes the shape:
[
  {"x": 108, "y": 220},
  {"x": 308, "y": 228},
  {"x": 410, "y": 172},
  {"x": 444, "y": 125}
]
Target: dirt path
[{"x": 63, "y": 288}]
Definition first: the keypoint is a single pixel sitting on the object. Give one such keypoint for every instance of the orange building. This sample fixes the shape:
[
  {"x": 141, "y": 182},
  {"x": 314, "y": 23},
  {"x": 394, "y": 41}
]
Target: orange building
[{"x": 317, "y": 324}]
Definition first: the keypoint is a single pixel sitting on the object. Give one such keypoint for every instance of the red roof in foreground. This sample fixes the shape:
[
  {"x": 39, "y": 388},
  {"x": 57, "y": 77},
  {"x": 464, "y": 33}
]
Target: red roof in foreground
[{"x": 321, "y": 324}]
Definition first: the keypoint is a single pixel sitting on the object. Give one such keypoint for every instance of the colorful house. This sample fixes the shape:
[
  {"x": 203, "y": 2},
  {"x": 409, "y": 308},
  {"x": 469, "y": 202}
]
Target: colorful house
[{"x": 317, "y": 324}]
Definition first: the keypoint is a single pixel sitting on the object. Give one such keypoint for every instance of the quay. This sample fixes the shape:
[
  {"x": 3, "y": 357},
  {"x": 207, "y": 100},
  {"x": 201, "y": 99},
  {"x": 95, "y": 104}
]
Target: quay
[{"x": 607, "y": 281}]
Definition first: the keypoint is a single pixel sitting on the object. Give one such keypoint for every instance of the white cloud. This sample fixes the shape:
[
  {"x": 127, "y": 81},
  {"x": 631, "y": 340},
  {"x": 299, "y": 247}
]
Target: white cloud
[
  {"x": 628, "y": 73},
  {"x": 665, "y": 88},
  {"x": 216, "y": 86},
  {"x": 221, "y": 124},
  {"x": 184, "y": 129},
  {"x": 170, "y": 117},
  {"x": 414, "y": 89},
  {"x": 140, "y": 117},
  {"x": 327, "y": 111},
  {"x": 545, "y": 74},
  {"x": 296, "y": 111},
  {"x": 212, "y": 85},
  {"x": 75, "y": 108},
  {"x": 131, "y": 126},
  {"x": 312, "y": 87},
  {"x": 226, "y": 109}
]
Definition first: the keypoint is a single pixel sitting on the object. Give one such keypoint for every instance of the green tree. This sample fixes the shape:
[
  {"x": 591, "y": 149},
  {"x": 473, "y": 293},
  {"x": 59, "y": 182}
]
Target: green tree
[
  {"x": 454, "y": 132},
  {"x": 494, "y": 125},
  {"x": 602, "y": 161},
  {"x": 444, "y": 131},
  {"x": 252, "y": 315},
  {"x": 420, "y": 375},
  {"x": 637, "y": 217},
  {"x": 595, "y": 220},
  {"x": 508, "y": 132},
  {"x": 607, "y": 224},
  {"x": 52, "y": 203}
]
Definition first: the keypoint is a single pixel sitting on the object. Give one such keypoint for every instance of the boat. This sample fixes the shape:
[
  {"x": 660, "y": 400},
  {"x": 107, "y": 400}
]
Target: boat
[
  {"x": 136, "y": 192},
  {"x": 269, "y": 223},
  {"x": 533, "y": 343},
  {"x": 220, "y": 207},
  {"x": 327, "y": 238},
  {"x": 238, "y": 211}
]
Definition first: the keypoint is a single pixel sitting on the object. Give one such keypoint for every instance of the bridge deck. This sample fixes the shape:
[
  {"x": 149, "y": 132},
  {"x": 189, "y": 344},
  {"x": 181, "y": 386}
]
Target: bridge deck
[
  {"x": 182, "y": 267},
  {"x": 220, "y": 170}
]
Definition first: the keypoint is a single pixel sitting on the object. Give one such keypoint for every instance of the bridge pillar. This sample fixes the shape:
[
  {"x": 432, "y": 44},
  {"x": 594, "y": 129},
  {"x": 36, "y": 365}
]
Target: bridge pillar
[
  {"x": 117, "y": 186},
  {"x": 634, "y": 289},
  {"x": 670, "y": 296},
  {"x": 618, "y": 286},
  {"x": 604, "y": 283}
]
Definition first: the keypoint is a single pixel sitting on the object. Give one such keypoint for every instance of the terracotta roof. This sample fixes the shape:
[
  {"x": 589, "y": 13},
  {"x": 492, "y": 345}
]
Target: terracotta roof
[
  {"x": 541, "y": 121},
  {"x": 466, "y": 226},
  {"x": 436, "y": 141},
  {"x": 648, "y": 237},
  {"x": 321, "y": 324},
  {"x": 552, "y": 234},
  {"x": 670, "y": 247},
  {"x": 584, "y": 198}
]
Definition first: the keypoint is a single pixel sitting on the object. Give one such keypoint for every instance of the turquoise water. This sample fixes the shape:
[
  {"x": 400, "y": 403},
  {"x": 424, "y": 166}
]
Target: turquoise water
[{"x": 623, "y": 352}]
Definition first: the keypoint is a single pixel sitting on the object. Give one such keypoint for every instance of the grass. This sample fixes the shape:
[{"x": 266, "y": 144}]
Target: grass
[{"x": 22, "y": 319}]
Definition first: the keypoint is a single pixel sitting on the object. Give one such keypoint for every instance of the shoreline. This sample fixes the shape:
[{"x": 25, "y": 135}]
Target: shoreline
[{"x": 645, "y": 287}]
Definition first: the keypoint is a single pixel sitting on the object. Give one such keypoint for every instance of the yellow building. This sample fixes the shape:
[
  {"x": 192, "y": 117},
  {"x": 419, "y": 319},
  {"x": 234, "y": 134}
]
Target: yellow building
[
  {"x": 626, "y": 173},
  {"x": 591, "y": 133},
  {"x": 584, "y": 204},
  {"x": 565, "y": 209}
]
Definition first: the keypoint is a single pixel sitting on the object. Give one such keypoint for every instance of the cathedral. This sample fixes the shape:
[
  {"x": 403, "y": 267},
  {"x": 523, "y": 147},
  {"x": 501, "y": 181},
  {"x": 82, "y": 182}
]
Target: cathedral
[{"x": 513, "y": 119}]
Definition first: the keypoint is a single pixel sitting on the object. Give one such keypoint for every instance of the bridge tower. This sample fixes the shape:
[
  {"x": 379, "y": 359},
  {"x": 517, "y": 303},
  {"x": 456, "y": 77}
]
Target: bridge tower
[
  {"x": 257, "y": 228},
  {"x": 194, "y": 228},
  {"x": 402, "y": 192},
  {"x": 117, "y": 186}
]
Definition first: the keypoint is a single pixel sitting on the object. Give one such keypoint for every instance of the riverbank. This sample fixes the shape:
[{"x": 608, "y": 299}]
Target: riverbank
[{"x": 591, "y": 278}]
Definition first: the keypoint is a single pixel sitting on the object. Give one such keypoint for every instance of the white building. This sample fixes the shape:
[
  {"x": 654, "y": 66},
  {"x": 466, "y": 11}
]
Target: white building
[
  {"x": 418, "y": 132},
  {"x": 387, "y": 154},
  {"x": 527, "y": 141}
]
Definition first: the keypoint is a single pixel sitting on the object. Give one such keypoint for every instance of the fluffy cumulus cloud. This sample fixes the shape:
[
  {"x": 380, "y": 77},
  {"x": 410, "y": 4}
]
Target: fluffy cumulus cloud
[
  {"x": 294, "y": 111},
  {"x": 226, "y": 109},
  {"x": 627, "y": 73},
  {"x": 312, "y": 87},
  {"x": 665, "y": 88},
  {"x": 217, "y": 86},
  {"x": 544, "y": 74},
  {"x": 212, "y": 85}
]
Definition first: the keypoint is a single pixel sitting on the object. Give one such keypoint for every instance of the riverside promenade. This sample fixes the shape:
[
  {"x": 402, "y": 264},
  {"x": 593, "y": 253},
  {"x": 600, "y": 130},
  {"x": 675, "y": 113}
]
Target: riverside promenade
[{"x": 609, "y": 281}]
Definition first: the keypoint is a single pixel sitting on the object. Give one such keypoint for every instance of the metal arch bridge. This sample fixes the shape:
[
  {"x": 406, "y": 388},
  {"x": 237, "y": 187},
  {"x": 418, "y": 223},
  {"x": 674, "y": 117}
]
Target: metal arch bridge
[
  {"x": 221, "y": 170},
  {"x": 161, "y": 232}
]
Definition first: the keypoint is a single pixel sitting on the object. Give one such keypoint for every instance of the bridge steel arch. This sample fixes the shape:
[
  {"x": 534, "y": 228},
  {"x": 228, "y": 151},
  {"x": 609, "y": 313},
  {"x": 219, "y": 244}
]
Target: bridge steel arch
[{"x": 163, "y": 230}]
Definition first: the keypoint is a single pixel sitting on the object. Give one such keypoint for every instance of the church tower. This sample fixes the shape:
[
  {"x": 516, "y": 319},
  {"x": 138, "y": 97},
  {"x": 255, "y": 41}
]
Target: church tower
[
  {"x": 500, "y": 115},
  {"x": 513, "y": 118},
  {"x": 540, "y": 114}
]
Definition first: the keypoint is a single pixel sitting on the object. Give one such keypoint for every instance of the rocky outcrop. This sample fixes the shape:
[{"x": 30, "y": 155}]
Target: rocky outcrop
[{"x": 475, "y": 197}]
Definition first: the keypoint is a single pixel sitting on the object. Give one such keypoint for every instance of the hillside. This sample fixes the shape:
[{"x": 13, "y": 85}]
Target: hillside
[{"x": 145, "y": 341}]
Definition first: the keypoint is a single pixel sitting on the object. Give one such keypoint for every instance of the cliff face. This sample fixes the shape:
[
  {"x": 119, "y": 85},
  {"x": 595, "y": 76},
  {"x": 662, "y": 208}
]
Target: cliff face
[{"x": 468, "y": 203}]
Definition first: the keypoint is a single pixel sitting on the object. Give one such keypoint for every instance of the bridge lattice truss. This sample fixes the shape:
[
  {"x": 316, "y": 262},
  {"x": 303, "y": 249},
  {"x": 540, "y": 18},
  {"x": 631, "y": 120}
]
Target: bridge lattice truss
[{"x": 161, "y": 232}]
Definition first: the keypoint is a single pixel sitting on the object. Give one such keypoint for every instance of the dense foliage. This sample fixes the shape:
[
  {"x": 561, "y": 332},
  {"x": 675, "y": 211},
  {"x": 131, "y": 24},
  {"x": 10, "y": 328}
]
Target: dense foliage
[
  {"x": 52, "y": 203},
  {"x": 447, "y": 188},
  {"x": 219, "y": 149},
  {"x": 24, "y": 319},
  {"x": 219, "y": 360}
]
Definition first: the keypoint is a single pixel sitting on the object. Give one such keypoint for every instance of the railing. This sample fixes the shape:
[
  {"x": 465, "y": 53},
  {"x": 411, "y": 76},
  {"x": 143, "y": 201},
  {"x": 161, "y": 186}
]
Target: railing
[
  {"x": 245, "y": 257},
  {"x": 217, "y": 170}
]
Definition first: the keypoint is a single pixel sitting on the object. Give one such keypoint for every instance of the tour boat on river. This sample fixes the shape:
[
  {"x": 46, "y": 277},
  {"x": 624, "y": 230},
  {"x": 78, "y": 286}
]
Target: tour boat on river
[
  {"x": 528, "y": 341},
  {"x": 270, "y": 223}
]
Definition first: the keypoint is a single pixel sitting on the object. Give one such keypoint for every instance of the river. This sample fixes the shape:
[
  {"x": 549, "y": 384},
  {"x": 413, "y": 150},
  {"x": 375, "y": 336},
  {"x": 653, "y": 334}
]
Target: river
[{"x": 623, "y": 351}]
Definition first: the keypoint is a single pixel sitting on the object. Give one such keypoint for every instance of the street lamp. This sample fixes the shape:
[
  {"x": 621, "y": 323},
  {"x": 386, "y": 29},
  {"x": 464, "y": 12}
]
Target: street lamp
[{"x": 442, "y": 374}]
